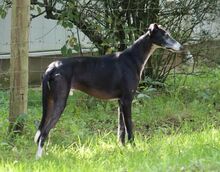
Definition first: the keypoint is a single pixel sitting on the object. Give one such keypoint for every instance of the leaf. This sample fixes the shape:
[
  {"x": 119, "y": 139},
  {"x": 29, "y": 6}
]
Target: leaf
[
  {"x": 141, "y": 96},
  {"x": 3, "y": 13},
  {"x": 151, "y": 89},
  {"x": 69, "y": 52},
  {"x": 70, "y": 25},
  {"x": 72, "y": 41},
  {"x": 64, "y": 24},
  {"x": 109, "y": 20},
  {"x": 109, "y": 50},
  {"x": 158, "y": 83},
  {"x": 76, "y": 47},
  {"x": 39, "y": 10},
  {"x": 64, "y": 50}
]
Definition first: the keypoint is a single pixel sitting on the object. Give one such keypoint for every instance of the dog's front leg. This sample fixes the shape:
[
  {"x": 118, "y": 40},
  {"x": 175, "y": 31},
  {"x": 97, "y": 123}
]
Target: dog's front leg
[
  {"x": 126, "y": 108},
  {"x": 121, "y": 124}
]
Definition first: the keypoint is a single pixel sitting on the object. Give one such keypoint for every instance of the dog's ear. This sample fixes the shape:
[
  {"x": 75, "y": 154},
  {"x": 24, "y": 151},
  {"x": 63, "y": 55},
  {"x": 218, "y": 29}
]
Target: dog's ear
[{"x": 152, "y": 27}]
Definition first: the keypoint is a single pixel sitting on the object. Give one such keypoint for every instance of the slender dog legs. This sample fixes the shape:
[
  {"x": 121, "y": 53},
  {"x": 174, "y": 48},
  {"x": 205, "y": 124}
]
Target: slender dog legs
[
  {"x": 121, "y": 124},
  {"x": 59, "y": 91},
  {"x": 126, "y": 108}
]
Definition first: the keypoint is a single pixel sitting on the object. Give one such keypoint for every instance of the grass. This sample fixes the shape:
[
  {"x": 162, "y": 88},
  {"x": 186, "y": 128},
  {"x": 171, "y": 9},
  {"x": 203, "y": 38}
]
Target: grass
[{"x": 176, "y": 129}]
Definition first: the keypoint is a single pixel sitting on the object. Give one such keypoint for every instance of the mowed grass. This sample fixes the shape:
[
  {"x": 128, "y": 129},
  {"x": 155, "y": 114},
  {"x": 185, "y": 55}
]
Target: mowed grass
[{"x": 176, "y": 129}]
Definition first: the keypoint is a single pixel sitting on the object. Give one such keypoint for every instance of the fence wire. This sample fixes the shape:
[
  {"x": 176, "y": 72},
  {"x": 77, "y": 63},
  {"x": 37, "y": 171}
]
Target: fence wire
[{"x": 52, "y": 34}]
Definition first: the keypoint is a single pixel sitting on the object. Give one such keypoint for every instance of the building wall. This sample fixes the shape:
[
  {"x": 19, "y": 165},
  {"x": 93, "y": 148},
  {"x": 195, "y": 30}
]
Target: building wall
[
  {"x": 46, "y": 40},
  {"x": 37, "y": 66},
  {"x": 38, "y": 63},
  {"x": 45, "y": 35}
]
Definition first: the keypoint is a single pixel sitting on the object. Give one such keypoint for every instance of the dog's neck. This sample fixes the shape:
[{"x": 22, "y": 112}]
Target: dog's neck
[{"x": 141, "y": 51}]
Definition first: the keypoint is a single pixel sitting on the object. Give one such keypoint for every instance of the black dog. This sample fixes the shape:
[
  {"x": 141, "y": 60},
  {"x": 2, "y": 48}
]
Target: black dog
[{"x": 114, "y": 76}]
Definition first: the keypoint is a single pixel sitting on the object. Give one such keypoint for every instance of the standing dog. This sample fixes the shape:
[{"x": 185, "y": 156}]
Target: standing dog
[{"x": 114, "y": 76}]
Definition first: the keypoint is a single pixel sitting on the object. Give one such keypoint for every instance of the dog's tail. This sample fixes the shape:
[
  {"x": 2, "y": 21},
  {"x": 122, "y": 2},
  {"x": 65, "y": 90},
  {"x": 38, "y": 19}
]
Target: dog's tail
[{"x": 45, "y": 97}]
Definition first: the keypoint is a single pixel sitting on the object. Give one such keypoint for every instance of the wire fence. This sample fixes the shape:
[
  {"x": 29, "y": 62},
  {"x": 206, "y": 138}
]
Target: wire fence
[{"x": 50, "y": 37}]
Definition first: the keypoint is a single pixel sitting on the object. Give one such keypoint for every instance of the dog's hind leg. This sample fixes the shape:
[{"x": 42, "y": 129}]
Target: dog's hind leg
[
  {"x": 121, "y": 124},
  {"x": 59, "y": 91},
  {"x": 45, "y": 119}
]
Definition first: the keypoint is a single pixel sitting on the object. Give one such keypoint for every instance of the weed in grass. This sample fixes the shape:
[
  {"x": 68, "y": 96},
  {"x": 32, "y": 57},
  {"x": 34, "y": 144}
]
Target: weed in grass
[{"x": 176, "y": 129}]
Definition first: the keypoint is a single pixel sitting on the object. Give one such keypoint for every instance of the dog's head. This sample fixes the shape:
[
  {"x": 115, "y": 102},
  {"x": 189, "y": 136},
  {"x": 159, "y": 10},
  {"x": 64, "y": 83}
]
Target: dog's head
[{"x": 163, "y": 39}]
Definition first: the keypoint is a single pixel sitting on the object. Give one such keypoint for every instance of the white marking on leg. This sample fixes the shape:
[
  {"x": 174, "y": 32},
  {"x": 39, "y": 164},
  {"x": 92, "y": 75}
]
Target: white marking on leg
[
  {"x": 39, "y": 150},
  {"x": 37, "y": 135},
  {"x": 118, "y": 123}
]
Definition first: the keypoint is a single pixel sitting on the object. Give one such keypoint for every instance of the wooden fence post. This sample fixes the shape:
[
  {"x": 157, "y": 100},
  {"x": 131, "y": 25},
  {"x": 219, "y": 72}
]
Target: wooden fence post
[{"x": 20, "y": 21}]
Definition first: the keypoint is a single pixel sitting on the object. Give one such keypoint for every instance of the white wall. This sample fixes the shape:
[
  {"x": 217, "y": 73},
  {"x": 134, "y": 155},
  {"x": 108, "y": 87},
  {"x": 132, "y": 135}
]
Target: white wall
[{"x": 45, "y": 35}]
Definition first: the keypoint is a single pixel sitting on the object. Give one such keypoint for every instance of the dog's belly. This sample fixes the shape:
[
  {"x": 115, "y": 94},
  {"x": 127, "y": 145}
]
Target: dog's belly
[
  {"x": 101, "y": 94},
  {"x": 98, "y": 93}
]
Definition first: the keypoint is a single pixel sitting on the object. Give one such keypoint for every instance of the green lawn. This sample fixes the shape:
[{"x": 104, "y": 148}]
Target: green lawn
[{"x": 176, "y": 129}]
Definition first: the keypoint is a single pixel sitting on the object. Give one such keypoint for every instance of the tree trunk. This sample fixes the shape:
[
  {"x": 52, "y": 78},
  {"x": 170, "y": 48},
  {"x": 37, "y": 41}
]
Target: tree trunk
[{"x": 20, "y": 21}]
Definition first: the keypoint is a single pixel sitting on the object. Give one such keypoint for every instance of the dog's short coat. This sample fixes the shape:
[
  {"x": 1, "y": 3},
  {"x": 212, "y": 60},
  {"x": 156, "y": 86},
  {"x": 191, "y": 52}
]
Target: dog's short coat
[{"x": 114, "y": 76}]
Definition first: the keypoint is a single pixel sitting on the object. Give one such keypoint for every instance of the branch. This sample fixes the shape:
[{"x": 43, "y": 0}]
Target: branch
[{"x": 34, "y": 16}]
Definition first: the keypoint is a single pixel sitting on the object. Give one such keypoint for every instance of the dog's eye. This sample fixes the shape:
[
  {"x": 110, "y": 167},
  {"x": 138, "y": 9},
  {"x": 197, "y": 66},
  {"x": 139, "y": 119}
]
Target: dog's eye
[{"x": 166, "y": 35}]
